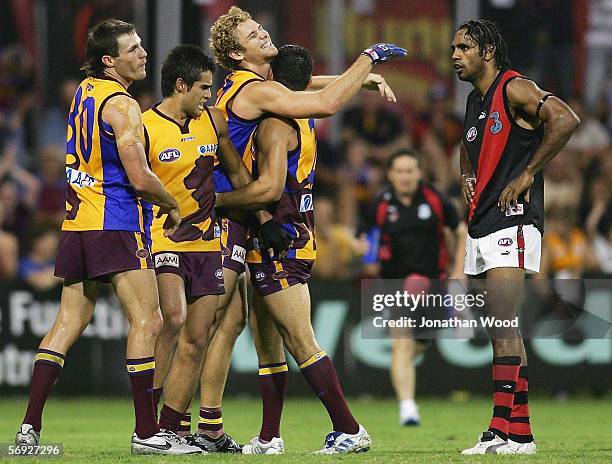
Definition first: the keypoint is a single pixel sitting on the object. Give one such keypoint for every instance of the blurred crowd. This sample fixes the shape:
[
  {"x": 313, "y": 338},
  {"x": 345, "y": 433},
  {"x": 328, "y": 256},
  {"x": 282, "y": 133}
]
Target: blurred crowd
[{"x": 578, "y": 233}]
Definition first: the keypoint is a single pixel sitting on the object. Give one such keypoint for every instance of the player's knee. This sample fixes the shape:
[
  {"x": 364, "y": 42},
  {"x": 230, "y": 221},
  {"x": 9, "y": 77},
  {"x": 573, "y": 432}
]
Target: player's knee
[
  {"x": 174, "y": 320},
  {"x": 150, "y": 325},
  {"x": 193, "y": 348},
  {"x": 234, "y": 328}
]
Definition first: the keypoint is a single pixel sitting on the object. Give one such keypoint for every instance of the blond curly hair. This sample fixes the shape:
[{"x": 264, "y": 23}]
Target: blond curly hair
[{"x": 223, "y": 38}]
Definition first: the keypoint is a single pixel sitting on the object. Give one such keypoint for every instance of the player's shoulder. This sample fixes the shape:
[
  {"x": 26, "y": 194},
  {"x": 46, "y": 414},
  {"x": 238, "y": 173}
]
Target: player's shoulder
[{"x": 276, "y": 122}]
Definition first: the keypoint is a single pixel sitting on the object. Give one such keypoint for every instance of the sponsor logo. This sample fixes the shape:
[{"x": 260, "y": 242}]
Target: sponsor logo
[
  {"x": 208, "y": 148},
  {"x": 238, "y": 254},
  {"x": 497, "y": 125},
  {"x": 482, "y": 115},
  {"x": 259, "y": 276},
  {"x": 392, "y": 213},
  {"x": 506, "y": 241},
  {"x": 471, "y": 134},
  {"x": 169, "y": 155},
  {"x": 507, "y": 387},
  {"x": 424, "y": 211},
  {"x": 166, "y": 259},
  {"x": 187, "y": 139},
  {"x": 515, "y": 210},
  {"x": 219, "y": 273},
  {"x": 217, "y": 231},
  {"x": 132, "y": 369},
  {"x": 79, "y": 179},
  {"x": 306, "y": 203},
  {"x": 505, "y": 253},
  {"x": 225, "y": 251},
  {"x": 280, "y": 275},
  {"x": 143, "y": 253}
]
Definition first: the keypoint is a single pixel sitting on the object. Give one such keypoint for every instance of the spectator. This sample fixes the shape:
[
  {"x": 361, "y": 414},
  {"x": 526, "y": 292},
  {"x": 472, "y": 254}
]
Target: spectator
[
  {"x": 337, "y": 247},
  {"x": 52, "y": 178},
  {"x": 564, "y": 182},
  {"x": 38, "y": 267},
  {"x": 9, "y": 251},
  {"x": 52, "y": 129}
]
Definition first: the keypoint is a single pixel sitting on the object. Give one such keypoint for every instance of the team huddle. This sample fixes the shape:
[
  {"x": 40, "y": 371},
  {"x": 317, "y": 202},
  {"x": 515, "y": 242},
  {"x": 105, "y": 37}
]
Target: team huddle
[{"x": 174, "y": 205}]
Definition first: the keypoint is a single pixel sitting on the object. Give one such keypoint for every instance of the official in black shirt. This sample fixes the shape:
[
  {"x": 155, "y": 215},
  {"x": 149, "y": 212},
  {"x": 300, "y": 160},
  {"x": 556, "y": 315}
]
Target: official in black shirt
[{"x": 408, "y": 227}]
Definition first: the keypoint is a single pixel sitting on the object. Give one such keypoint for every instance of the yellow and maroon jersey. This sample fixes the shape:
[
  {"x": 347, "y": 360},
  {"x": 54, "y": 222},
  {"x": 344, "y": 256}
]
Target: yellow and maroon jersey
[
  {"x": 183, "y": 156},
  {"x": 240, "y": 130},
  {"x": 98, "y": 192},
  {"x": 295, "y": 209}
]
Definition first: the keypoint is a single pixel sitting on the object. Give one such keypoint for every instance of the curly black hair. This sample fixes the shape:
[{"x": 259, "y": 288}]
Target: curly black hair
[{"x": 486, "y": 33}]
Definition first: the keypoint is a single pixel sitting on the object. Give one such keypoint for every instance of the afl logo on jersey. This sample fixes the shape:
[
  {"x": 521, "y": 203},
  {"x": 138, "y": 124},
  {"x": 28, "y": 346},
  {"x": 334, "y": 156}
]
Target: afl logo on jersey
[
  {"x": 505, "y": 242},
  {"x": 259, "y": 276},
  {"x": 424, "y": 211},
  {"x": 471, "y": 134},
  {"x": 169, "y": 155},
  {"x": 497, "y": 125}
]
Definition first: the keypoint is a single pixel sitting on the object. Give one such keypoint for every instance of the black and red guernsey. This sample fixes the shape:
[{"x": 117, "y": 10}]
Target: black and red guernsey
[{"x": 499, "y": 150}]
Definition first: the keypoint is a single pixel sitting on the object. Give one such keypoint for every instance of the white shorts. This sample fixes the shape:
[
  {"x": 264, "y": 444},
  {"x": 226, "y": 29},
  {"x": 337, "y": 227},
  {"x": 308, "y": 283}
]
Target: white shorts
[{"x": 504, "y": 248}]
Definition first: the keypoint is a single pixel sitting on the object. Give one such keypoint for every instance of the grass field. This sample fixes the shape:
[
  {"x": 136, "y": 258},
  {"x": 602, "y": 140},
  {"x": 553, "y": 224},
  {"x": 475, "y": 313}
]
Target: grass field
[{"x": 97, "y": 430}]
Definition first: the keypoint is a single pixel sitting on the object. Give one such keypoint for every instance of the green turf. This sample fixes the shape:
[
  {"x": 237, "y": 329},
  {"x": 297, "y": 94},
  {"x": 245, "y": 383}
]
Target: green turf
[{"x": 98, "y": 431}]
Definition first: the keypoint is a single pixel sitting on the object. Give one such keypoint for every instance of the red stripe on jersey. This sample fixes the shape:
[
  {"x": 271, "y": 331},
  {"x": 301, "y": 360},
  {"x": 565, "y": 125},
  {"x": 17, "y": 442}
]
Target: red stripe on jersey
[
  {"x": 493, "y": 145},
  {"x": 381, "y": 213},
  {"x": 520, "y": 243},
  {"x": 435, "y": 202}
]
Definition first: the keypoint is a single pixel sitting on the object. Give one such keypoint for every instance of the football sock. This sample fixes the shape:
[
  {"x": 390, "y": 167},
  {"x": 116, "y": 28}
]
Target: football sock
[
  {"x": 47, "y": 366},
  {"x": 321, "y": 375},
  {"x": 170, "y": 419},
  {"x": 184, "y": 427},
  {"x": 273, "y": 386},
  {"x": 157, "y": 394},
  {"x": 211, "y": 422},
  {"x": 505, "y": 376},
  {"x": 141, "y": 372},
  {"x": 520, "y": 428}
]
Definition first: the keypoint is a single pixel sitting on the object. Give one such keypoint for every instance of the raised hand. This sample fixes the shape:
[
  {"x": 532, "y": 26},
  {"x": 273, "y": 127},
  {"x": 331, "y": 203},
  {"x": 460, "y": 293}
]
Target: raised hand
[{"x": 381, "y": 52}]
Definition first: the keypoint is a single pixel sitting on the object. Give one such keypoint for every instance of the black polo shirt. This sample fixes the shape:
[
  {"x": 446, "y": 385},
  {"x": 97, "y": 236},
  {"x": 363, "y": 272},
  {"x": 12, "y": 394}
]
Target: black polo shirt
[{"x": 409, "y": 239}]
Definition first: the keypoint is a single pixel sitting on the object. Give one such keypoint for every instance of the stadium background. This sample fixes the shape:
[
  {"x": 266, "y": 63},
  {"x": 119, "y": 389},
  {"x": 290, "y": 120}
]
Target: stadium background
[{"x": 564, "y": 45}]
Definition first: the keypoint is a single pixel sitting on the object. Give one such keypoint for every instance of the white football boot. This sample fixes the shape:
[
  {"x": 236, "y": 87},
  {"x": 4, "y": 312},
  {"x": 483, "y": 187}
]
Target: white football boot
[
  {"x": 514, "y": 447},
  {"x": 274, "y": 446},
  {"x": 26, "y": 435},
  {"x": 487, "y": 444},
  {"x": 339, "y": 442},
  {"x": 163, "y": 442}
]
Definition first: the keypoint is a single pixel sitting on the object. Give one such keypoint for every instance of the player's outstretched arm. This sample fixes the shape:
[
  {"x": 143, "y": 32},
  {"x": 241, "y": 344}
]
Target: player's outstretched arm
[
  {"x": 373, "y": 81},
  {"x": 274, "y": 138},
  {"x": 273, "y": 97},
  {"x": 231, "y": 161},
  {"x": 123, "y": 114},
  {"x": 559, "y": 121}
]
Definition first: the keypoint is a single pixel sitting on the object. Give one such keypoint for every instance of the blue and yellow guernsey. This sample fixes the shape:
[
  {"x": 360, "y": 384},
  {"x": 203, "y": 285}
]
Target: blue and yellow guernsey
[
  {"x": 240, "y": 130},
  {"x": 99, "y": 195},
  {"x": 295, "y": 209}
]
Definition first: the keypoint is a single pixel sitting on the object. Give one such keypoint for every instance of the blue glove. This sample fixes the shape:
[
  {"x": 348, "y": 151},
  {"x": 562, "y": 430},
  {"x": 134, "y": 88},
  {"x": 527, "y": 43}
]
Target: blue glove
[{"x": 382, "y": 52}]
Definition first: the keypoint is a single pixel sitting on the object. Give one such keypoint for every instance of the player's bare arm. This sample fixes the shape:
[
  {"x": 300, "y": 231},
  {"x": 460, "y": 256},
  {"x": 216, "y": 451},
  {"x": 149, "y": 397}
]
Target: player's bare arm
[
  {"x": 231, "y": 161},
  {"x": 275, "y": 137},
  {"x": 468, "y": 177},
  {"x": 373, "y": 81},
  {"x": 532, "y": 106},
  {"x": 271, "y": 97},
  {"x": 123, "y": 114}
]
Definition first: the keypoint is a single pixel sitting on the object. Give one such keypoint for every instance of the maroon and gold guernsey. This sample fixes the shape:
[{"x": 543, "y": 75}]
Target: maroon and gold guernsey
[
  {"x": 295, "y": 209},
  {"x": 182, "y": 156}
]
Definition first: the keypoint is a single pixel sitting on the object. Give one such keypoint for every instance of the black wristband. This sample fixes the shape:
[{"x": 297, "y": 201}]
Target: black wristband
[{"x": 541, "y": 103}]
